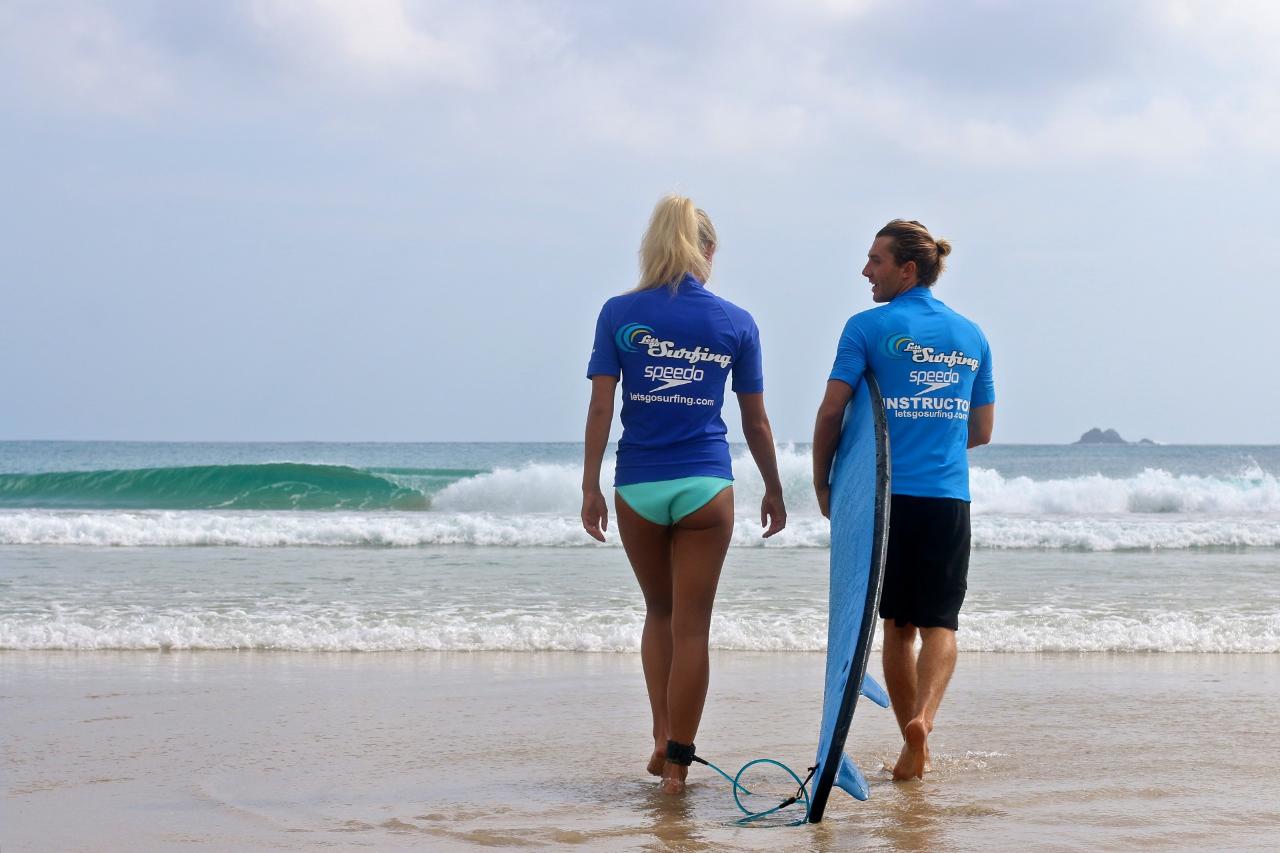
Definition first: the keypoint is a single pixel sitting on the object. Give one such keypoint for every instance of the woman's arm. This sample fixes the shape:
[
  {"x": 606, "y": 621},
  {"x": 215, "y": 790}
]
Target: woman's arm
[
  {"x": 826, "y": 437},
  {"x": 595, "y": 512},
  {"x": 755, "y": 426}
]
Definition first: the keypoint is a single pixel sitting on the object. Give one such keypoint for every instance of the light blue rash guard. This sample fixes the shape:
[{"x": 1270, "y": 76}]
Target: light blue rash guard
[
  {"x": 933, "y": 366},
  {"x": 674, "y": 352}
]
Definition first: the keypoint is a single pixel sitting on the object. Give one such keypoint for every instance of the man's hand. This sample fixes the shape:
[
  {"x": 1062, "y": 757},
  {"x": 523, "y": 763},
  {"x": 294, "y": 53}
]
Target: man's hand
[
  {"x": 595, "y": 514},
  {"x": 823, "y": 493},
  {"x": 773, "y": 513}
]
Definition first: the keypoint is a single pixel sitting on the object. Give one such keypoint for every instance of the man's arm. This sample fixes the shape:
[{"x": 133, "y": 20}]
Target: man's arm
[
  {"x": 981, "y": 421},
  {"x": 826, "y": 436}
]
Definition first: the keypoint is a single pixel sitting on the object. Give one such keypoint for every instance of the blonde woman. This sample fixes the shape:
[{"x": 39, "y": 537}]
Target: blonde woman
[{"x": 674, "y": 344}]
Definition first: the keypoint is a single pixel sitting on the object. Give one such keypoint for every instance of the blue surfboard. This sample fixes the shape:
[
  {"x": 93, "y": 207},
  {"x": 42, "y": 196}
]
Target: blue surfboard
[{"x": 859, "y": 538}]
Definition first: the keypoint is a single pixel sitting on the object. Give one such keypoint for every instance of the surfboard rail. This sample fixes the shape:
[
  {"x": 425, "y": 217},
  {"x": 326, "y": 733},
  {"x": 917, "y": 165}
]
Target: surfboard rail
[{"x": 860, "y": 493}]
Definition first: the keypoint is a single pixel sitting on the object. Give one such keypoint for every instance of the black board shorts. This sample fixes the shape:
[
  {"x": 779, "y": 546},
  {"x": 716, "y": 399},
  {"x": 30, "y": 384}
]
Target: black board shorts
[{"x": 926, "y": 570}]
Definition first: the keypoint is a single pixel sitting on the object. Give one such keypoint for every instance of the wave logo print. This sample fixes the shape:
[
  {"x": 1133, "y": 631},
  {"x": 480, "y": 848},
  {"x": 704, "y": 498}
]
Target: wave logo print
[
  {"x": 896, "y": 346},
  {"x": 627, "y": 336}
]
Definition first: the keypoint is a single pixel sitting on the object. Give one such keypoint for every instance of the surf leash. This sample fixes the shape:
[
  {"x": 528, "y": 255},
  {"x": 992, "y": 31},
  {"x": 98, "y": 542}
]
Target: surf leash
[{"x": 749, "y": 817}]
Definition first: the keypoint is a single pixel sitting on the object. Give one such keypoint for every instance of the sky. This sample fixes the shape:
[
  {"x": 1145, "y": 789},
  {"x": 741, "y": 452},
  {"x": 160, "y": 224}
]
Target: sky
[{"x": 396, "y": 220}]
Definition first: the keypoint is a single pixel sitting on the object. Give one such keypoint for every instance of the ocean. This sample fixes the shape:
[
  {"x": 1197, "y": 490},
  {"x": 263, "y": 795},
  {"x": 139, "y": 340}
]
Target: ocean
[
  {"x": 397, "y": 645},
  {"x": 478, "y": 547}
]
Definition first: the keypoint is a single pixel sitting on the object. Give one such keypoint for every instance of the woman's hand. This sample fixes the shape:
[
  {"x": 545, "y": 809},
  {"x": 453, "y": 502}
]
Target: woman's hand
[
  {"x": 773, "y": 513},
  {"x": 595, "y": 514},
  {"x": 759, "y": 435}
]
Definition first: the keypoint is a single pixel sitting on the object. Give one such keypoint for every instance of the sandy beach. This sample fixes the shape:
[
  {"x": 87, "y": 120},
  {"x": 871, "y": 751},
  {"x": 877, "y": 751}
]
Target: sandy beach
[{"x": 226, "y": 750}]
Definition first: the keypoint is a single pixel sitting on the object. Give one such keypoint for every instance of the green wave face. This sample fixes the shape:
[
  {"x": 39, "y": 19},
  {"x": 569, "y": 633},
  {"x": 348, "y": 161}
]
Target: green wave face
[{"x": 272, "y": 486}]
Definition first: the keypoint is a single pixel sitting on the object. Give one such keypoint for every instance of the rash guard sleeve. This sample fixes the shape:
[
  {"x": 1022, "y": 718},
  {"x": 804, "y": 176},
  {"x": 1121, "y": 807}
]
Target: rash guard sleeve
[
  {"x": 984, "y": 386},
  {"x": 748, "y": 366},
  {"x": 604, "y": 356},
  {"x": 851, "y": 355}
]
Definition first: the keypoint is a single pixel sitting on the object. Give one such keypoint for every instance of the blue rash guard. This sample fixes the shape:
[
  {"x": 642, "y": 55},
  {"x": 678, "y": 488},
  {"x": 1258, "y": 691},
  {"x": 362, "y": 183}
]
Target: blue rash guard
[
  {"x": 674, "y": 352},
  {"x": 933, "y": 366}
]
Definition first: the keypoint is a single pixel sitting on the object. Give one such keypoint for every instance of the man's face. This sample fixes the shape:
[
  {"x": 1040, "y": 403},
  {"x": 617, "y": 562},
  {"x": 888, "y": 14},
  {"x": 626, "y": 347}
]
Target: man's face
[{"x": 887, "y": 277}]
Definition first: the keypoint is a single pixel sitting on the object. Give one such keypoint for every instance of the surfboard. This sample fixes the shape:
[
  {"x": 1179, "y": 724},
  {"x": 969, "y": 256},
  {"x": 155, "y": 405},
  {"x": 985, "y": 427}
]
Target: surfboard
[{"x": 859, "y": 538}]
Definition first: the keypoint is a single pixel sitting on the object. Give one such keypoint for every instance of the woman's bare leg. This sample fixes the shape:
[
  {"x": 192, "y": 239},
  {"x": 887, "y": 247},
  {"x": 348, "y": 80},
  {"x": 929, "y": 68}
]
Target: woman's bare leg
[
  {"x": 648, "y": 547},
  {"x": 698, "y": 545}
]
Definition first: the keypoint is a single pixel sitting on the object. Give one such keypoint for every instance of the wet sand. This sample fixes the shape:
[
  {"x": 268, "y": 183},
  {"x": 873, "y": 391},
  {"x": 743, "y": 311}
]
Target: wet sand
[{"x": 441, "y": 751}]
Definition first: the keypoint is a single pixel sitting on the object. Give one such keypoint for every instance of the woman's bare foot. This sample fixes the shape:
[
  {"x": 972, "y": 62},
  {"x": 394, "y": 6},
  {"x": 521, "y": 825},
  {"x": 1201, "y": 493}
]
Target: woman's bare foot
[
  {"x": 915, "y": 752},
  {"x": 673, "y": 778},
  {"x": 657, "y": 760}
]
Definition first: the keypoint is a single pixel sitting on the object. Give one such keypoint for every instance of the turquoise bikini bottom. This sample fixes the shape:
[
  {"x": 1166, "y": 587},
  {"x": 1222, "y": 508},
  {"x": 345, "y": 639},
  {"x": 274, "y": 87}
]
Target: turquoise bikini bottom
[{"x": 667, "y": 501}]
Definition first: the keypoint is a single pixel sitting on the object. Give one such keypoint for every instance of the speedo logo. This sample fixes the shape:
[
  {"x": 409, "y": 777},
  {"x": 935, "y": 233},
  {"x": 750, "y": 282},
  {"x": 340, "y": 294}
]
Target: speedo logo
[
  {"x": 670, "y": 377},
  {"x": 933, "y": 379}
]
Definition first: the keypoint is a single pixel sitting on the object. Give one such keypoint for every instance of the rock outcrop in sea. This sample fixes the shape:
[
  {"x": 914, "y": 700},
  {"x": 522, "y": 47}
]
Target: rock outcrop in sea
[{"x": 1108, "y": 436}]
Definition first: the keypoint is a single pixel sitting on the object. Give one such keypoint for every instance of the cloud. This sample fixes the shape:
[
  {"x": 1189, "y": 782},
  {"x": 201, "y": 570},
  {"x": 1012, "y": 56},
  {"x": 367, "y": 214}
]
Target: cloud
[
  {"x": 85, "y": 55},
  {"x": 394, "y": 42},
  {"x": 986, "y": 84}
]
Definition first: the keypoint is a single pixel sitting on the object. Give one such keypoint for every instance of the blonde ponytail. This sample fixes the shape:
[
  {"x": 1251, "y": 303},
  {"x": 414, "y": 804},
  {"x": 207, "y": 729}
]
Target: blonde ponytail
[{"x": 675, "y": 244}]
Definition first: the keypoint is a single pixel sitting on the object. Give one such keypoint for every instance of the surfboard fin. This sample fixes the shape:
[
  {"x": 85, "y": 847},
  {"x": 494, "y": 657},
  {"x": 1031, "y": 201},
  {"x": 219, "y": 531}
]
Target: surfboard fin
[
  {"x": 874, "y": 691},
  {"x": 850, "y": 779}
]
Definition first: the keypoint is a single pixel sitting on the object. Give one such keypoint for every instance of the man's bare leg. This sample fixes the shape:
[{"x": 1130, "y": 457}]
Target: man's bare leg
[
  {"x": 934, "y": 667},
  {"x": 899, "y": 656}
]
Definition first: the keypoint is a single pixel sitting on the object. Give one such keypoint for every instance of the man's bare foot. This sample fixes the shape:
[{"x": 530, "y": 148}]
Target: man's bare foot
[
  {"x": 673, "y": 777},
  {"x": 915, "y": 752},
  {"x": 656, "y": 761}
]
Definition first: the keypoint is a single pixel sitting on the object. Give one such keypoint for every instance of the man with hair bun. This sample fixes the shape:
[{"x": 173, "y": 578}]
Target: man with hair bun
[{"x": 934, "y": 371}]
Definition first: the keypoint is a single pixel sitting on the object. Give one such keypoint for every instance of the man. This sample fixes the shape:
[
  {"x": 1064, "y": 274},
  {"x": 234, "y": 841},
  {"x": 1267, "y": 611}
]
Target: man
[{"x": 934, "y": 370}]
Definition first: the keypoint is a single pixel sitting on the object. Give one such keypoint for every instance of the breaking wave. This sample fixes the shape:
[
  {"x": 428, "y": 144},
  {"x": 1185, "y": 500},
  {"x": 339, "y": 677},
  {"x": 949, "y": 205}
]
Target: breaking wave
[
  {"x": 275, "y": 485},
  {"x": 159, "y": 529},
  {"x": 617, "y": 630},
  {"x": 555, "y": 489}
]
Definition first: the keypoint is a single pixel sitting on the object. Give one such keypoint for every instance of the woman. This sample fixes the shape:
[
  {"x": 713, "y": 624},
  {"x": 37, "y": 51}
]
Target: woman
[{"x": 674, "y": 344}]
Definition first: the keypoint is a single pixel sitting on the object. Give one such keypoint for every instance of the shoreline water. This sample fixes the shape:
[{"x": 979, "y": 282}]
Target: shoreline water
[
  {"x": 236, "y": 699},
  {"x": 585, "y": 599},
  {"x": 454, "y": 750}
]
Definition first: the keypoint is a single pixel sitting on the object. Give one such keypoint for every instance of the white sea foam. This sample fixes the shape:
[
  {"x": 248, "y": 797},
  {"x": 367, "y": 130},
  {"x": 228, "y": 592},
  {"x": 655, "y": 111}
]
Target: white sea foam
[
  {"x": 537, "y": 487},
  {"x": 1124, "y": 533},
  {"x": 1153, "y": 491},
  {"x": 554, "y": 488},
  {"x": 409, "y": 530},
  {"x": 1050, "y": 629},
  {"x": 618, "y": 630}
]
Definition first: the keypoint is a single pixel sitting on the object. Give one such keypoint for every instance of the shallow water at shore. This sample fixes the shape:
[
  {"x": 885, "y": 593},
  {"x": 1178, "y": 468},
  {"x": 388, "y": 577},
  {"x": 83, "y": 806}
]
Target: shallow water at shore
[
  {"x": 460, "y": 598},
  {"x": 152, "y": 750}
]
